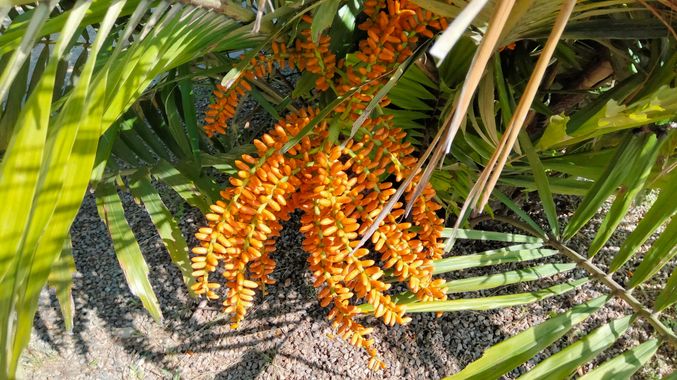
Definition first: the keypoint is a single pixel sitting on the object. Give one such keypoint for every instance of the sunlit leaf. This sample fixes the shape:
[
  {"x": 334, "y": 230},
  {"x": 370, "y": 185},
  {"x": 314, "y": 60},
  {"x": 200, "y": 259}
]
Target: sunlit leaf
[
  {"x": 626, "y": 364},
  {"x": 509, "y": 354},
  {"x": 126, "y": 247},
  {"x": 21, "y": 176},
  {"x": 491, "y": 281},
  {"x": 658, "y": 106},
  {"x": 495, "y": 302},
  {"x": 662, "y": 251},
  {"x": 562, "y": 364},
  {"x": 61, "y": 279},
  {"x": 662, "y": 209},
  {"x": 461, "y": 233},
  {"x": 166, "y": 225},
  {"x": 498, "y": 256}
]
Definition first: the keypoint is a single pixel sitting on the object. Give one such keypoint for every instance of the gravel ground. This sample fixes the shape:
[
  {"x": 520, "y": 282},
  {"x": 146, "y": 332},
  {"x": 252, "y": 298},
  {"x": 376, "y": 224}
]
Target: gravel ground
[{"x": 286, "y": 336}]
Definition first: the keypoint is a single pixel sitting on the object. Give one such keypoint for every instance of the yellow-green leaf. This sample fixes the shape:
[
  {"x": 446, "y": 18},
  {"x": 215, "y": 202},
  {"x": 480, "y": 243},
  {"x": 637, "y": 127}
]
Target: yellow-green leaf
[
  {"x": 126, "y": 247},
  {"x": 512, "y": 352},
  {"x": 61, "y": 279}
]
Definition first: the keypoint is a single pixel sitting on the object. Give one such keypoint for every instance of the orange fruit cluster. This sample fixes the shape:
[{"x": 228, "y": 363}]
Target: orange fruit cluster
[
  {"x": 393, "y": 33},
  {"x": 340, "y": 189},
  {"x": 315, "y": 57},
  {"x": 219, "y": 113},
  {"x": 305, "y": 56}
]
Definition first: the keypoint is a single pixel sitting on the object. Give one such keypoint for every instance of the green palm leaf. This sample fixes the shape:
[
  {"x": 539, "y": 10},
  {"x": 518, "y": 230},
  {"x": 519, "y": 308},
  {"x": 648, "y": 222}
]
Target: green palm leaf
[
  {"x": 662, "y": 209},
  {"x": 19, "y": 182},
  {"x": 44, "y": 169},
  {"x": 165, "y": 224},
  {"x": 564, "y": 363},
  {"x": 61, "y": 279},
  {"x": 495, "y": 302},
  {"x": 126, "y": 248},
  {"x": 509, "y": 354},
  {"x": 626, "y": 364},
  {"x": 517, "y": 253}
]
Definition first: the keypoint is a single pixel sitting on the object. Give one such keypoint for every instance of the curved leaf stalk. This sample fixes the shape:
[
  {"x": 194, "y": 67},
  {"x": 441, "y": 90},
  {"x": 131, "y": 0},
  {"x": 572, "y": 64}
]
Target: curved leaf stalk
[{"x": 664, "y": 331}]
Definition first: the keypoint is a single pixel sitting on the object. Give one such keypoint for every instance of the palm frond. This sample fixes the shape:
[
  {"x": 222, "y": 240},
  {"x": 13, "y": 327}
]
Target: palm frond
[
  {"x": 42, "y": 172},
  {"x": 61, "y": 279},
  {"x": 126, "y": 248},
  {"x": 511, "y": 353}
]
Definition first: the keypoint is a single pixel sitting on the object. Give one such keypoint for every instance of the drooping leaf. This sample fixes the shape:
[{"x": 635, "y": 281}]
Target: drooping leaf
[
  {"x": 626, "y": 364},
  {"x": 562, "y": 364},
  {"x": 662, "y": 209},
  {"x": 660, "y": 254},
  {"x": 165, "y": 223},
  {"x": 509, "y": 354},
  {"x": 61, "y": 279},
  {"x": 126, "y": 247}
]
